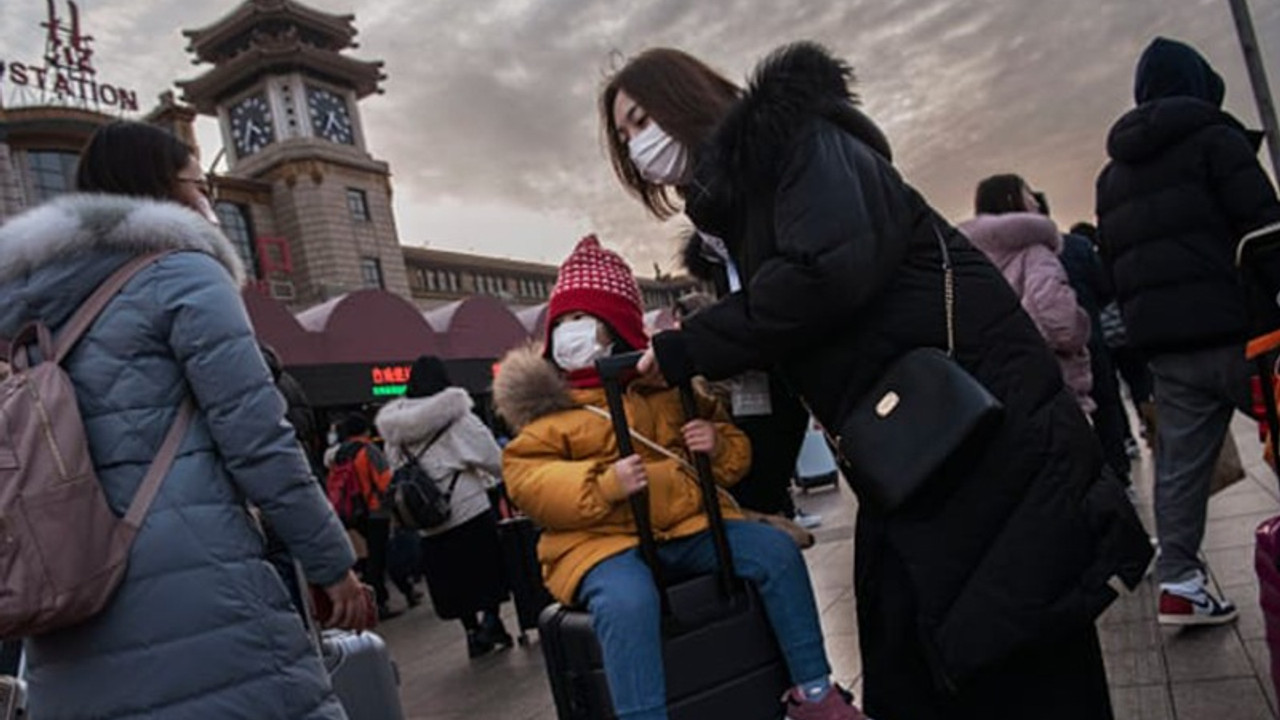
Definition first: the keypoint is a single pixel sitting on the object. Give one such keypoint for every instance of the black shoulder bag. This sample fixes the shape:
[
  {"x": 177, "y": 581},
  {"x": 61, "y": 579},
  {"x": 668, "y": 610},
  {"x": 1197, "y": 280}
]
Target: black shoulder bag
[{"x": 920, "y": 413}]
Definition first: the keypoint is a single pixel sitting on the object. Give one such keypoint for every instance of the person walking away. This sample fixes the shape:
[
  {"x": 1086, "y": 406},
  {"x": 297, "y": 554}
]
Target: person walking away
[
  {"x": 359, "y": 457},
  {"x": 1129, "y": 364},
  {"x": 1025, "y": 246},
  {"x": 298, "y": 408},
  {"x": 1182, "y": 186},
  {"x": 200, "y": 624},
  {"x": 978, "y": 597},
  {"x": 433, "y": 424}
]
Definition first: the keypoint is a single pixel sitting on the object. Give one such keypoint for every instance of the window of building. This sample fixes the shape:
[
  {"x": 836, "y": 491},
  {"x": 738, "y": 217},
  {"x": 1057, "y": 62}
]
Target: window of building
[
  {"x": 371, "y": 272},
  {"x": 52, "y": 172},
  {"x": 358, "y": 204},
  {"x": 239, "y": 230}
]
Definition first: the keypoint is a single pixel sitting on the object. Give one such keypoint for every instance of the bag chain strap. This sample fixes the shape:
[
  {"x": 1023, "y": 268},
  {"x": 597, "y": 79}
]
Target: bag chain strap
[
  {"x": 949, "y": 292},
  {"x": 949, "y": 298}
]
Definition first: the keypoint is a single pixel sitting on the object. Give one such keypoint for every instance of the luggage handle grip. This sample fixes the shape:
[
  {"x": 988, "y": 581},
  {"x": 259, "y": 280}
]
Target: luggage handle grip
[
  {"x": 612, "y": 371},
  {"x": 1265, "y": 379}
]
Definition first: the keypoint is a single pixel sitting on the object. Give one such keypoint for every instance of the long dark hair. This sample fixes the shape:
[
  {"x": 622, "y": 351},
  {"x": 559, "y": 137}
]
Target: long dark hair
[
  {"x": 1000, "y": 194},
  {"x": 132, "y": 158},
  {"x": 679, "y": 92}
]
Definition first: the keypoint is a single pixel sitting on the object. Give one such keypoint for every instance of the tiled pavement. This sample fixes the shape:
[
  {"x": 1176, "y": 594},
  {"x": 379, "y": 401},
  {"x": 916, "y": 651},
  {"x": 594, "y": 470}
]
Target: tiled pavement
[{"x": 1155, "y": 673}]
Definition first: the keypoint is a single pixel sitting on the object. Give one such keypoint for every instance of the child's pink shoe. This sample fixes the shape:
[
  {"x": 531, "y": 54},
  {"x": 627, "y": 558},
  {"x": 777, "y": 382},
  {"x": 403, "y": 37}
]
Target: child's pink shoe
[{"x": 835, "y": 706}]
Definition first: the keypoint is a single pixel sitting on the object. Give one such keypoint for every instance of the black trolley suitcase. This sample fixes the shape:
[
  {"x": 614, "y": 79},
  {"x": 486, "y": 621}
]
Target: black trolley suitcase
[
  {"x": 518, "y": 537},
  {"x": 719, "y": 651}
]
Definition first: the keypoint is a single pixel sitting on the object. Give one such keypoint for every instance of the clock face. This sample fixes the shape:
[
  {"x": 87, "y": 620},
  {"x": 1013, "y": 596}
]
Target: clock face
[
  {"x": 330, "y": 118},
  {"x": 251, "y": 125}
]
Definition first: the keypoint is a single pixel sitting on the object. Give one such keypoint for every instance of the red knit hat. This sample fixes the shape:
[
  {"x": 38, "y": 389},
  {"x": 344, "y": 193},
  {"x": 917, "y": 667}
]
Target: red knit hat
[{"x": 599, "y": 282}]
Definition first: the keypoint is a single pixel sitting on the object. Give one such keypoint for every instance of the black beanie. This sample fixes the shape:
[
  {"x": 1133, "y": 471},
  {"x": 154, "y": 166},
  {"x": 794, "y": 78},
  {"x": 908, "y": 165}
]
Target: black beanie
[
  {"x": 353, "y": 425},
  {"x": 427, "y": 377}
]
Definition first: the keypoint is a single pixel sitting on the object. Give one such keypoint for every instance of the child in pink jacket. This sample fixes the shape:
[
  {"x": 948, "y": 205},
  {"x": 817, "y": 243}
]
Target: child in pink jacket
[{"x": 1025, "y": 245}]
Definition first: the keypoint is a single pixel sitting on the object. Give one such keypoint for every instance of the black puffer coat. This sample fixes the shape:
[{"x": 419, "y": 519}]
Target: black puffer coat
[
  {"x": 1183, "y": 186},
  {"x": 1009, "y": 553}
]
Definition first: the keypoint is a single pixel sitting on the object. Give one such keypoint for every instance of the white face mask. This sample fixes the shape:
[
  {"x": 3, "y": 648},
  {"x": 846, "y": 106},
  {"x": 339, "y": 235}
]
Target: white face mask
[
  {"x": 575, "y": 345},
  {"x": 658, "y": 157},
  {"x": 332, "y": 438}
]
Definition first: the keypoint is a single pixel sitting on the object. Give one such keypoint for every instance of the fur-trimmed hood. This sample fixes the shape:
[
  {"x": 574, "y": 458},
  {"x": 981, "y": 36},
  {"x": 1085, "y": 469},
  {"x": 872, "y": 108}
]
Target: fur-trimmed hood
[
  {"x": 529, "y": 387},
  {"x": 789, "y": 89},
  {"x": 76, "y": 224},
  {"x": 407, "y": 421},
  {"x": 1008, "y": 233}
]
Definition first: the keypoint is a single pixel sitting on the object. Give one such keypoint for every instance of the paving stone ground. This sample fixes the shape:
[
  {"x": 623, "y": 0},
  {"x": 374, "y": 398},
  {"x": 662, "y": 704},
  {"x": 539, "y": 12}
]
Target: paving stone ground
[{"x": 1155, "y": 673}]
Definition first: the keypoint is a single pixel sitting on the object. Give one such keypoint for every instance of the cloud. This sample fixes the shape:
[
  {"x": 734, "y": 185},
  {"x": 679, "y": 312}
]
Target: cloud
[{"x": 489, "y": 116}]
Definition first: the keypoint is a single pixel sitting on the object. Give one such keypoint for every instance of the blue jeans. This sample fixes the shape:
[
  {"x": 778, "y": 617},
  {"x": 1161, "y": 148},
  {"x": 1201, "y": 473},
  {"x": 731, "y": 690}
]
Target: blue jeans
[{"x": 623, "y": 601}]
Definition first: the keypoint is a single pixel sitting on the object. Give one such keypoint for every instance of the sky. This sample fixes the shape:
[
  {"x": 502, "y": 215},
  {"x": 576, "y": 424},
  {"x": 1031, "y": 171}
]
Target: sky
[{"x": 488, "y": 117}]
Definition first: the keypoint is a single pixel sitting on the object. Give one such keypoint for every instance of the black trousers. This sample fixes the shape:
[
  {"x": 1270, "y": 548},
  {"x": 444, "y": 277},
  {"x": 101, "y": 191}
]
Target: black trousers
[
  {"x": 1110, "y": 423},
  {"x": 775, "y": 444},
  {"x": 377, "y": 537}
]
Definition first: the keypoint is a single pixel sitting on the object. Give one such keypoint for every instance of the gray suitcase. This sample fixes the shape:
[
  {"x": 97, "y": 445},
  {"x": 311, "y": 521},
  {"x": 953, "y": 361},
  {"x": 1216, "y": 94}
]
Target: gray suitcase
[
  {"x": 363, "y": 675},
  {"x": 13, "y": 689}
]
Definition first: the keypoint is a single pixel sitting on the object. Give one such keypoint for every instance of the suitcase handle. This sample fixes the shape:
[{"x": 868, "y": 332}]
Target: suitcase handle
[
  {"x": 612, "y": 371},
  {"x": 1255, "y": 244}
]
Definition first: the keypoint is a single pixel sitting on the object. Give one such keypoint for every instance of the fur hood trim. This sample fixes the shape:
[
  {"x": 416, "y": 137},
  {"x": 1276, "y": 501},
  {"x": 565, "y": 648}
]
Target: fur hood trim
[
  {"x": 1012, "y": 232},
  {"x": 529, "y": 387},
  {"x": 792, "y": 85},
  {"x": 74, "y": 224},
  {"x": 408, "y": 421}
]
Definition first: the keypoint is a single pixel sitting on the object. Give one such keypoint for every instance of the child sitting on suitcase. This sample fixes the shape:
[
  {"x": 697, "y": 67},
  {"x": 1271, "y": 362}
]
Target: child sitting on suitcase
[{"x": 563, "y": 470}]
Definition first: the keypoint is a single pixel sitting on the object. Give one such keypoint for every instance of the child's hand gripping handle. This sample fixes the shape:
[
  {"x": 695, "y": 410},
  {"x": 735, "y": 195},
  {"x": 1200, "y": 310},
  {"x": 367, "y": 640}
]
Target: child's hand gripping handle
[{"x": 710, "y": 497}]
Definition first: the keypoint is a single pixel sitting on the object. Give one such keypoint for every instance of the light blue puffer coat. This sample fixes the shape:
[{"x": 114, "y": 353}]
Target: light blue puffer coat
[{"x": 202, "y": 626}]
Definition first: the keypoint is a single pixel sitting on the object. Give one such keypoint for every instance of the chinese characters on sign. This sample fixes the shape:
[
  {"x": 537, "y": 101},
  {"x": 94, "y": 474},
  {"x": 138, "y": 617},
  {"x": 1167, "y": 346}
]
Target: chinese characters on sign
[
  {"x": 390, "y": 380},
  {"x": 67, "y": 74}
]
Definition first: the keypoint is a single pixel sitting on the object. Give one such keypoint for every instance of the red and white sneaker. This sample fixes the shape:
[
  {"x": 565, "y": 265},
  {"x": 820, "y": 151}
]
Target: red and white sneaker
[
  {"x": 1191, "y": 603},
  {"x": 837, "y": 705}
]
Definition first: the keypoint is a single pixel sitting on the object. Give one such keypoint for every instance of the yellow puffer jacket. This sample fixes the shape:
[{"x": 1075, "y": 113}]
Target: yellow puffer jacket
[{"x": 559, "y": 468}]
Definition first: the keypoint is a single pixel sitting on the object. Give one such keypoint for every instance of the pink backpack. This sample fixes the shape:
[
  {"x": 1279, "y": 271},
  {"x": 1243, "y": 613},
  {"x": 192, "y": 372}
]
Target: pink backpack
[{"x": 63, "y": 551}]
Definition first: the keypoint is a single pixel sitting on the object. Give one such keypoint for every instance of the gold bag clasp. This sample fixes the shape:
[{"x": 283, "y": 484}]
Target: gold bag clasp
[{"x": 888, "y": 404}]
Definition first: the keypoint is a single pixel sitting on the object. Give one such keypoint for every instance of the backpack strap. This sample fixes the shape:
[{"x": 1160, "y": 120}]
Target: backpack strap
[
  {"x": 160, "y": 466},
  {"x": 91, "y": 308}
]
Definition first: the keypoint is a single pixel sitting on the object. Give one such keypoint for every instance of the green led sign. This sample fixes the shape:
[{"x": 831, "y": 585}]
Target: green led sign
[{"x": 389, "y": 390}]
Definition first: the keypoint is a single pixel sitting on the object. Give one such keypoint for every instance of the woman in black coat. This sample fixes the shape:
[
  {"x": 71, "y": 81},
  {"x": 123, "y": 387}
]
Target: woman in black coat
[{"x": 977, "y": 597}]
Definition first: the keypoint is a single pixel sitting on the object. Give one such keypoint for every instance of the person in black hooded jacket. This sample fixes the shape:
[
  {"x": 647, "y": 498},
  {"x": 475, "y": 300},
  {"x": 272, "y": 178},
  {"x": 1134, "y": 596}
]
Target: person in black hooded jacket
[
  {"x": 1181, "y": 189},
  {"x": 977, "y": 597}
]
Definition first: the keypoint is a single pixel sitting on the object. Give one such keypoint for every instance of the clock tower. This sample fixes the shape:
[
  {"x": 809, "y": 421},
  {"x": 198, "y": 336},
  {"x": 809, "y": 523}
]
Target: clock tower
[{"x": 287, "y": 97}]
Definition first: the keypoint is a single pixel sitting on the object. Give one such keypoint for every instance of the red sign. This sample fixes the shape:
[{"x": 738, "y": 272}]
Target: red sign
[
  {"x": 391, "y": 374},
  {"x": 273, "y": 256}
]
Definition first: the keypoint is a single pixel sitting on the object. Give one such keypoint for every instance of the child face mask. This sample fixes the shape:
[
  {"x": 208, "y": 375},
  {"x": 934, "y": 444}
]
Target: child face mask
[
  {"x": 575, "y": 344},
  {"x": 658, "y": 157}
]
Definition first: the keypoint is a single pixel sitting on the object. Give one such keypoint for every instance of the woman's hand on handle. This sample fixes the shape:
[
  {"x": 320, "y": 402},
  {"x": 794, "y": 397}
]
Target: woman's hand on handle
[
  {"x": 648, "y": 365},
  {"x": 350, "y": 604}
]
